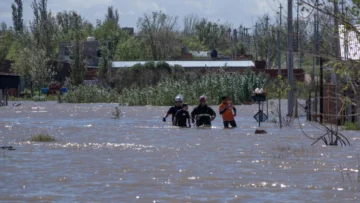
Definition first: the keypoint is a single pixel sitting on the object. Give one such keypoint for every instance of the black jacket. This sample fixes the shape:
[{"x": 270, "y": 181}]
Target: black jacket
[{"x": 203, "y": 115}]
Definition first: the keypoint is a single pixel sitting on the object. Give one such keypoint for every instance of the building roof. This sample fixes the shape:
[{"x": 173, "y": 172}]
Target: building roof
[{"x": 191, "y": 64}]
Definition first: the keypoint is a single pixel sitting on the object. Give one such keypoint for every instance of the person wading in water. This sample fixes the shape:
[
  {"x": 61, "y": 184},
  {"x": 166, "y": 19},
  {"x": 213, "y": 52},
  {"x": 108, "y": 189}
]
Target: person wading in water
[
  {"x": 226, "y": 109},
  {"x": 182, "y": 116},
  {"x": 172, "y": 110},
  {"x": 203, "y": 114}
]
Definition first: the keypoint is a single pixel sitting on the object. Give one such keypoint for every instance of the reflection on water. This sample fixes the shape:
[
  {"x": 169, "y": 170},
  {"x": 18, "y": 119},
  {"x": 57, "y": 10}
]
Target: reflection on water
[{"x": 141, "y": 159}]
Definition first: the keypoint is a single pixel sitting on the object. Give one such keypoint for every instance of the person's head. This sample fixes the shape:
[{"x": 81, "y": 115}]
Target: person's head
[
  {"x": 185, "y": 107},
  {"x": 225, "y": 99},
  {"x": 178, "y": 101},
  {"x": 202, "y": 100}
]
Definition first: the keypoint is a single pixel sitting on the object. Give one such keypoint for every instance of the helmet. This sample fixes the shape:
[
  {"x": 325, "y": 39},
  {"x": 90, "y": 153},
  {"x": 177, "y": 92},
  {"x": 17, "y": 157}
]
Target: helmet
[
  {"x": 179, "y": 98},
  {"x": 202, "y": 98}
]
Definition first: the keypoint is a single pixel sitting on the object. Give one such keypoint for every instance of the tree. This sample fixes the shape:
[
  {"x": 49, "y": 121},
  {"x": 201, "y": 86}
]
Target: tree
[
  {"x": 109, "y": 34},
  {"x": 77, "y": 61},
  {"x": 160, "y": 33},
  {"x": 44, "y": 28},
  {"x": 112, "y": 15},
  {"x": 6, "y": 38},
  {"x": 212, "y": 35},
  {"x": 130, "y": 48},
  {"x": 17, "y": 15},
  {"x": 190, "y": 22},
  {"x": 345, "y": 72}
]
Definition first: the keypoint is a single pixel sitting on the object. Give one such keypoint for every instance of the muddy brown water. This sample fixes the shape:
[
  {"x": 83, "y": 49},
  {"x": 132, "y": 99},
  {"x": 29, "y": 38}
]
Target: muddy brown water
[{"x": 141, "y": 159}]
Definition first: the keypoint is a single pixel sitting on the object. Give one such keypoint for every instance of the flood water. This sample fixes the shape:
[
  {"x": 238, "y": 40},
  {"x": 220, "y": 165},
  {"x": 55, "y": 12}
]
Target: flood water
[{"x": 141, "y": 159}]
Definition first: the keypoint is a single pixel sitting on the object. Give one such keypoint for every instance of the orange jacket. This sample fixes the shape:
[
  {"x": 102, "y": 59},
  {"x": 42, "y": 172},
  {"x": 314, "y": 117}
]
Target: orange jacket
[{"x": 227, "y": 115}]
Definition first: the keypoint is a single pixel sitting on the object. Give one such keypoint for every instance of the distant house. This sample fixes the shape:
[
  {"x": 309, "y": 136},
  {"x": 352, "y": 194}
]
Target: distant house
[
  {"x": 130, "y": 30},
  {"x": 8, "y": 80},
  {"x": 90, "y": 51}
]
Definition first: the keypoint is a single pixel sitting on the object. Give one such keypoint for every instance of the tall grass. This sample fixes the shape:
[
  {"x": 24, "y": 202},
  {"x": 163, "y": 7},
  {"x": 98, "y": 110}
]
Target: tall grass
[
  {"x": 91, "y": 94},
  {"x": 238, "y": 86}
]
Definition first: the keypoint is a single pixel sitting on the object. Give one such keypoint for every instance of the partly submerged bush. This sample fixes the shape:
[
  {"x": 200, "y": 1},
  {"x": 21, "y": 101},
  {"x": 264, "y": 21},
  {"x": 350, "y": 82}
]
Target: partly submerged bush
[
  {"x": 238, "y": 86},
  {"x": 116, "y": 113},
  {"x": 351, "y": 126},
  {"x": 90, "y": 94},
  {"x": 39, "y": 98},
  {"x": 42, "y": 138}
]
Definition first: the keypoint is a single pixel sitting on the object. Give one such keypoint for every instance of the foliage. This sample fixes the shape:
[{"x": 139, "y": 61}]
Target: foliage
[
  {"x": 17, "y": 15},
  {"x": 43, "y": 29},
  {"x": 109, "y": 35},
  {"x": 237, "y": 86},
  {"x": 278, "y": 88},
  {"x": 351, "y": 126},
  {"x": 6, "y": 39},
  {"x": 42, "y": 138},
  {"x": 90, "y": 94},
  {"x": 159, "y": 32},
  {"x": 210, "y": 33},
  {"x": 193, "y": 43},
  {"x": 302, "y": 90},
  {"x": 77, "y": 59},
  {"x": 145, "y": 75},
  {"x": 39, "y": 98},
  {"x": 130, "y": 49}
]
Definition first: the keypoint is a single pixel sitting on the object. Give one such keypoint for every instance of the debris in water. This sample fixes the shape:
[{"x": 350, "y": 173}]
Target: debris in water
[{"x": 259, "y": 131}]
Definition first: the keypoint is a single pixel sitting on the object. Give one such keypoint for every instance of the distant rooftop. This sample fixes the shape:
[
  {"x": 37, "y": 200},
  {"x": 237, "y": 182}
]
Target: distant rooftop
[{"x": 191, "y": 64}]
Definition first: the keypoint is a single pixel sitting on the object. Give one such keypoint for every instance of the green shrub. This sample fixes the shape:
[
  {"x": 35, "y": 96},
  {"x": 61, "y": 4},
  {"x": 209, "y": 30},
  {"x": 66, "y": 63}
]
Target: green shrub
[
  {"x": 351, "y": 126},
  {"x": 145, "y": 75},
  {"x": 90, "y": 94},
  {"x": 42, "y": 138},
  {"x": 39, "y": 98}
]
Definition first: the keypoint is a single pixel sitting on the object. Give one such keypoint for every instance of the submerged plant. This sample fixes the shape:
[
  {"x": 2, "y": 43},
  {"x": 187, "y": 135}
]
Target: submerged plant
[
  {"x": 116, "y": 113},
  {"x": 42, "y": 138}
]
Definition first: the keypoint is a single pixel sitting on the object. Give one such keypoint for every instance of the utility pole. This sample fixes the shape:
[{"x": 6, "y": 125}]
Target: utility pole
[
  {"x": 247, "y": 37},
  {"x": 268, "y": 47},
  {"x": 278, "y": 42},
  {"x": 256, "y": 42},
  {"x": 290, "y": 60},
  {"x": 337, "y": 55},
  {"x": 279, "y": 63},
  {"x": 299, "y": 35},
  {"x": 281, "y": 14}
]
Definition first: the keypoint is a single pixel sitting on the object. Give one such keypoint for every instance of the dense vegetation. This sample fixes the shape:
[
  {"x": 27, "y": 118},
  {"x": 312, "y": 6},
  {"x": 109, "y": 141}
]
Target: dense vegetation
[{"x": 238, "y": 86}]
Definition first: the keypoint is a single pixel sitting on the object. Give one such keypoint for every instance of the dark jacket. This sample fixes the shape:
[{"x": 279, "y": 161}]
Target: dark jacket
[{"x": 203, "y": 115}]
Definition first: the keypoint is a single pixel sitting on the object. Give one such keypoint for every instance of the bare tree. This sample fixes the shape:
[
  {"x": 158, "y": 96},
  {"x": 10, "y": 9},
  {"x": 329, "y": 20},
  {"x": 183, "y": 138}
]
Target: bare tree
[{"x": 160, "y": 32}]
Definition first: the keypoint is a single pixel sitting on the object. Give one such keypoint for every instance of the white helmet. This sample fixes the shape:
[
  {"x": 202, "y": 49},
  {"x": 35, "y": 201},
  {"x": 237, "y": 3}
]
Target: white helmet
[
  {"x": 179, "y": 98},
  {"x": 202, "y": 98}
]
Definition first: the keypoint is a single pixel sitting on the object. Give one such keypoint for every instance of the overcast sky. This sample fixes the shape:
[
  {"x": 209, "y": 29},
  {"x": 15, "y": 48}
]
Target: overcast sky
[{"x": 234, "y": 11}]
